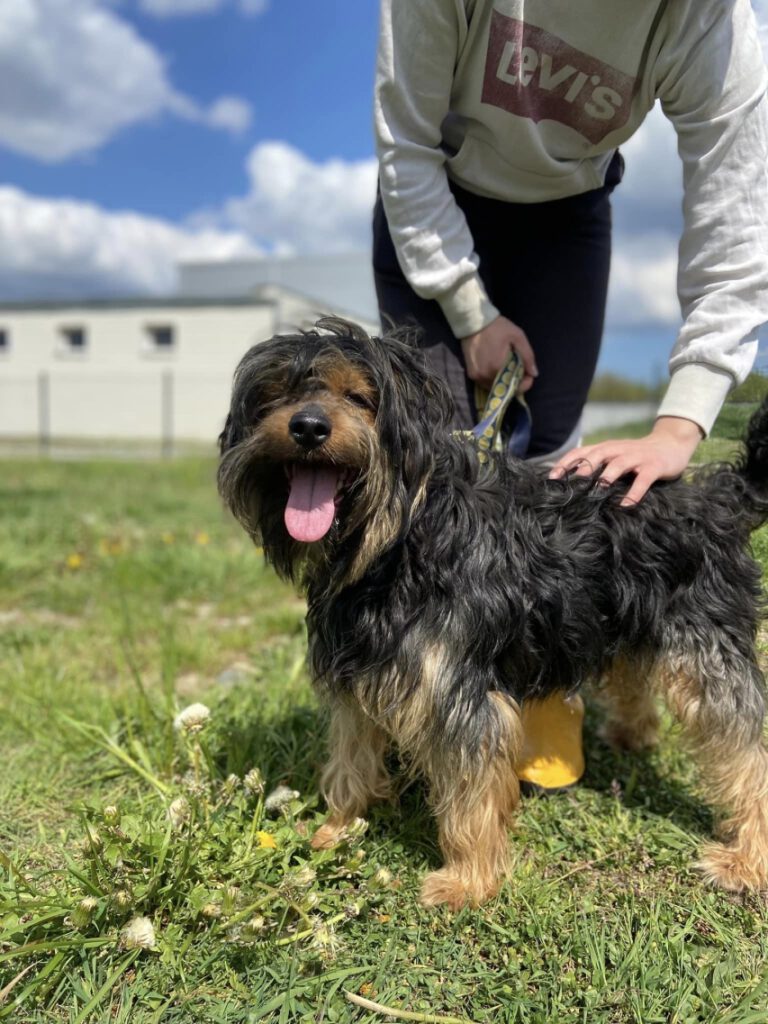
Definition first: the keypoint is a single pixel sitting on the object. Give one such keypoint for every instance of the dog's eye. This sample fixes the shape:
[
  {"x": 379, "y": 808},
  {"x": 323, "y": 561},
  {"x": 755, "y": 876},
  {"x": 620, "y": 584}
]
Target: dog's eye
[{"x": 359, "y": 400}]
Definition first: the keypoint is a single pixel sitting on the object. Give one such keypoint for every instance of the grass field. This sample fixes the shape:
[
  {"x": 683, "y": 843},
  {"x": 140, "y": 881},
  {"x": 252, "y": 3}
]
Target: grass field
[{"x": 126, "y": 594}]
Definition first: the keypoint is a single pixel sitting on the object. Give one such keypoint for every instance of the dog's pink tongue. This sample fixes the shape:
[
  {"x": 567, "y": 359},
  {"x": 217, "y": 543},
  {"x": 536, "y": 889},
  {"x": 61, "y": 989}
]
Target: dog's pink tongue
[{"x": 311, "y": 507}]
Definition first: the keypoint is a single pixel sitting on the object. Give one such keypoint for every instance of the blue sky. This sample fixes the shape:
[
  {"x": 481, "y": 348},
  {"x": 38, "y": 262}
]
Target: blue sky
[
  {"x": 134, "y": 133},
  {"x": 305, "y": 68}
]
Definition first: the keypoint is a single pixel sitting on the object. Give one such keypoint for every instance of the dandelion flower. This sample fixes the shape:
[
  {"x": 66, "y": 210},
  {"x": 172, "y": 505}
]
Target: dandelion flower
[
  {"x": 302, "y": 876},
  {"x": 74, "y": 561},
  {"x": 324, "y": 941},
  {"x": 266, "y": 841},
  {"x": 280, "y": 798},
  {"x": 192, "y": 719},
  {"x": 253, "y": 782},
  {"x": 139, "y": 933},
  {"x": 92, "y": 839},
  {"x": 310, "y": 901},
  {"x": 230, "y": 784},
  {"x": 202, "y": 538},
  {"x": 111, "y": 815},
  {"x": 123, "y": 899},
  {"x": 178, "y": 812},
  {"x": 82, "y": 915}
]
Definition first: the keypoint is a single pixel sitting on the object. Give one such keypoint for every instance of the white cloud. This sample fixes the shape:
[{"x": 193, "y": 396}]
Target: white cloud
[
  {"x": 74, "y": 75},
  {"x": 229, "y": 113},
  {"x": 173, "y": 8},
  {"x": 180, "y": 8},
  {"x": 647, "y": 222},
  {"x": 761, "y": 10},
  {"x": 650, "y": 196},
  {"x": 297, "y": 205},
  {"x": 62, "y": 247},
  {"x": 643, "y": 281}
]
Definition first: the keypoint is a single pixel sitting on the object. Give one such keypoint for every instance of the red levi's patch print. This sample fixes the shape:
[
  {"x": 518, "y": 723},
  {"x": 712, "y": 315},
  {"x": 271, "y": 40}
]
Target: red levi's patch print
[{"x": 535, "y": 74}]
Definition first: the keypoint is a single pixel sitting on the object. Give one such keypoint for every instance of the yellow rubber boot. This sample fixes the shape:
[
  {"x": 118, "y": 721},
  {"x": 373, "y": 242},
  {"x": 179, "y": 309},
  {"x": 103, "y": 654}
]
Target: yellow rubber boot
[{"x": 552, "y": 757}]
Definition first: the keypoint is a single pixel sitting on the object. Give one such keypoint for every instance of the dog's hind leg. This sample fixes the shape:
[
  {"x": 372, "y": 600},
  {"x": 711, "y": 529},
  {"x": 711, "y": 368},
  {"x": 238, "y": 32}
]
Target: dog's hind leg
[
  {"x": 474, "y": 800},
  {"x": 355, "y": 775},
  {"x": 718, "y": 696},
  {"x": 625, "y": 693}
]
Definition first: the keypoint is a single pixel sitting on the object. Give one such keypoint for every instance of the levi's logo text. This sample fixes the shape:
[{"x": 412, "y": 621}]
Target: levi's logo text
[{"x": 535, "y": 74}]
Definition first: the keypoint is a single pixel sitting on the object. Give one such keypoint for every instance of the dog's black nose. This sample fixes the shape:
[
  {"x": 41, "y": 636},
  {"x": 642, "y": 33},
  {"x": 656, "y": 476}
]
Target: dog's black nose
[{"x": 310, "y": 428}]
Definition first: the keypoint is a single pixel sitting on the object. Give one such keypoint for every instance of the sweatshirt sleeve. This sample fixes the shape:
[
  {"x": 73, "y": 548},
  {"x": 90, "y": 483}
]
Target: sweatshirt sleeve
[
  {"x": 713, "y": 89},
  {"x": 419, "y": 43}
]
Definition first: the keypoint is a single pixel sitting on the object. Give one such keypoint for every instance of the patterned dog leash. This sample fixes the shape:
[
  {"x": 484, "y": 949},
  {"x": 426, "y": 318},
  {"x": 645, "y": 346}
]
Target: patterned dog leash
[{"x": 506, "y": 420}]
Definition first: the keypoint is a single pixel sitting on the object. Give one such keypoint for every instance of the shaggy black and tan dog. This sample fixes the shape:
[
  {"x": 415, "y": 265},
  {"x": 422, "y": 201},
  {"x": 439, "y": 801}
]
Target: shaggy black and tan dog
[{"x": 443, "y": 592}]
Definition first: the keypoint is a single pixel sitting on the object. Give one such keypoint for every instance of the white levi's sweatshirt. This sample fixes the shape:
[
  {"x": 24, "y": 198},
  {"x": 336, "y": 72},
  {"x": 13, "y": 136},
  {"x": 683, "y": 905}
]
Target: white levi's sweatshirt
[{"x": 526, "y": 101}]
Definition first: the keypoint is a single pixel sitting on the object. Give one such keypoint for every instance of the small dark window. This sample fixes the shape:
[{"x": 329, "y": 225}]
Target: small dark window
[
  {"x": 74, "y": 338},
  {"x": 5, "y": 340},
  {"x": 162, "y": 337}
]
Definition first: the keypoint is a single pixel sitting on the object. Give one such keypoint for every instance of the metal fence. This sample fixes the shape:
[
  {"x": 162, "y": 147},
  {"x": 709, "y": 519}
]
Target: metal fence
[{"x": 160, "y": 411}]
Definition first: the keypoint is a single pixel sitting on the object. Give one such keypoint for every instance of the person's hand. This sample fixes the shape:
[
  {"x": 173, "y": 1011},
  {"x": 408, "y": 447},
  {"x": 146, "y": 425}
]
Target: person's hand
[
  {"x": 661, "y": 455},
  {"x": 487, "y": 351}
]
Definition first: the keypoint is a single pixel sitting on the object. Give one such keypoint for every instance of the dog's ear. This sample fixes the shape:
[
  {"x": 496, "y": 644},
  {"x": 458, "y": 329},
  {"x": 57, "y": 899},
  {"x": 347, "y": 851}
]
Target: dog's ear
[
  {"x": 230, "y": 435},
  {"x": 415, "y": 413}
]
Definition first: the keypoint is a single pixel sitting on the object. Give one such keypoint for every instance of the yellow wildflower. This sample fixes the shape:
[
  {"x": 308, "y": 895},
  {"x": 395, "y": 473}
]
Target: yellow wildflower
[
  {"x": 74, "y": 560},
  {"x": 266, "y": 841}
]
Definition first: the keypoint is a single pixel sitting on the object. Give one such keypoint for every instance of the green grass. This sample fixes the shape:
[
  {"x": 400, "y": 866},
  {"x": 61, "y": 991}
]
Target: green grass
[{"x": 125, "y": 595}]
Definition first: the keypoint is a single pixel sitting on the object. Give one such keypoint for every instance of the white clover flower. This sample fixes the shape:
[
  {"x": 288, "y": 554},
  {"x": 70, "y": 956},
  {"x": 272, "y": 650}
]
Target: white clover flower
[
  {"x": 192, "y": 719},
  {"x": 139, "y": 933},
  {"x": 279, "y": 798},
  {"x": 179, "y": 812}
]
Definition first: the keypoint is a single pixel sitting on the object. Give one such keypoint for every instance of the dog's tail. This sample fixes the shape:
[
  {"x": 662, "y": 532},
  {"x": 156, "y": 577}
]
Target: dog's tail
[{"x": 752, "y": 467}]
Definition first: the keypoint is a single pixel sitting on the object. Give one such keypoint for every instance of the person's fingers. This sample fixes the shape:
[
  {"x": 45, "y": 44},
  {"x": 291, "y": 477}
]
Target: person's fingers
[
  {"x": 585, "y": 467},
  {"x": 616, "y": 468},
  {"x": 565, "y": 463},
  {"x": 519, "y": 342},
  {"x": 637, "y": 491}
]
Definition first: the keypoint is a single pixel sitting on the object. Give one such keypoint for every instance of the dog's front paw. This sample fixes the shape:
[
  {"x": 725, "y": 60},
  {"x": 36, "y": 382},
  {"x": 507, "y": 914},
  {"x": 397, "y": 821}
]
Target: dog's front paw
[
  {"x": 732, "y": 868},
  {"x": 446, "y": 887},
  {"x": 328, "y": 835}
]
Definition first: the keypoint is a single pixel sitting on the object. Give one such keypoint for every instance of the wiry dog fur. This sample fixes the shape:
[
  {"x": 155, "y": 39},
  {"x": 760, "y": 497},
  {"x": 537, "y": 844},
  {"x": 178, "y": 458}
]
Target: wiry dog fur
[{"x": 446, "y": 592}]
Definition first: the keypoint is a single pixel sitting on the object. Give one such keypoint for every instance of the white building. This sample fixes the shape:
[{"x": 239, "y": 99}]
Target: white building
[{"x": 153, "y": 370}]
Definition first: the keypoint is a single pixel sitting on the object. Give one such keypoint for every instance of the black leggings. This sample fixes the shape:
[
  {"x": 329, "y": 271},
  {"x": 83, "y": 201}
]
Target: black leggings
[{"x": 545, "y": 267}]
